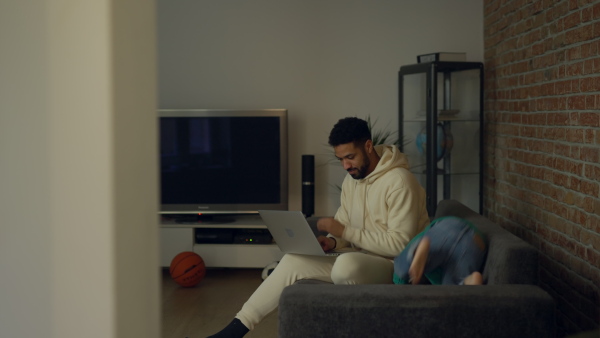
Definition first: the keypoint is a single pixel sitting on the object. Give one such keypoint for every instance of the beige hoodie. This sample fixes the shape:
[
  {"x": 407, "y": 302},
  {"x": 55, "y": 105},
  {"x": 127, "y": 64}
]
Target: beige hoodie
[{"x": 385, "y": 210}]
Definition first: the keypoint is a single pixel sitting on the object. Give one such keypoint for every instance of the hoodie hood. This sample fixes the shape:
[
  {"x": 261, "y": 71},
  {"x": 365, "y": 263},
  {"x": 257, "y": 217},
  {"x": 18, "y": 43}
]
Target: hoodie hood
[{"x": 390, "y": 157}]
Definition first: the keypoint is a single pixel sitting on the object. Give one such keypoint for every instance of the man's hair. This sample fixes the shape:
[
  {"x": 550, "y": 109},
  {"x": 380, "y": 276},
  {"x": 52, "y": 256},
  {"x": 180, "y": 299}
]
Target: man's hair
[{"x": 349, "y": 129}]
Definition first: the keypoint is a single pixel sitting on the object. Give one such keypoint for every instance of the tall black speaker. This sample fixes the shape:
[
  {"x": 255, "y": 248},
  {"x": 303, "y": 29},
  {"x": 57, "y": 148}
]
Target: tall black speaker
[{"x": 308, "y": 185}]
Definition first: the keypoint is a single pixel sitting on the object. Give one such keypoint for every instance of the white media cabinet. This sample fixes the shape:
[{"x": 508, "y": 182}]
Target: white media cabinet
[{"x": 178, "y": 237}]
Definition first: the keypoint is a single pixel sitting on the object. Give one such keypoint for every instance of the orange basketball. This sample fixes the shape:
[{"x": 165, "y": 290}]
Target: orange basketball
[{"x": 187, "y": 269}]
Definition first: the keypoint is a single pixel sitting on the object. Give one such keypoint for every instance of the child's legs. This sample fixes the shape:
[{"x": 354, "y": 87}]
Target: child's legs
[
  {"x": 417, "y": 267},
  {"x": 466, "y": 259},
  {"x": 403, "y": 261},
  {"x": 290, "y": 269},
  {"x": 444, "y": 237},
  {"x": 474, "y": 278}
]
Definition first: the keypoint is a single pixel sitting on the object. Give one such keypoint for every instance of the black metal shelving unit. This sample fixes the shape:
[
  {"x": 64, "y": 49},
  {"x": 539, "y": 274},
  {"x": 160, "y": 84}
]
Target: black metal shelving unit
[{"x": 444, "y": 99}]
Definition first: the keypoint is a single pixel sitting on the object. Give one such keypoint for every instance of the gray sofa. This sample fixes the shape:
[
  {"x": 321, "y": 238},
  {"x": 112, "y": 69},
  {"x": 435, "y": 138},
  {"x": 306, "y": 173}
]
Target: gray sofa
[{"x": 509, "y": 305}]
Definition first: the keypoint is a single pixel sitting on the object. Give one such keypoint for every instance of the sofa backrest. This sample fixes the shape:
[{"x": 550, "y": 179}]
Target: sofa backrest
[{"x": 510, "y": 260}]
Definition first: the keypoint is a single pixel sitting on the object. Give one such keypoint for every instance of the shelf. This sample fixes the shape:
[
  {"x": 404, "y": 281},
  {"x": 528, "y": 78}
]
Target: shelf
[
  {"x": 240, "y": 222},
  {"x": 462, "y": 116},
  {"x": 441, "y": 173},
  {"x": 178, "y": 236},
  {"x": 238, "y": 255},
  {"x": 445, "y": 118},
  {"x": 174, "y": 225},
  {"x": 443, "y": 101}
]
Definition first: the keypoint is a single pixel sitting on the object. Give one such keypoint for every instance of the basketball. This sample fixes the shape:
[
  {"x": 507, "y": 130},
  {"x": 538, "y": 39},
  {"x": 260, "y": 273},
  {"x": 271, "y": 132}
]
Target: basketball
[{"x": 187, "y": 269}]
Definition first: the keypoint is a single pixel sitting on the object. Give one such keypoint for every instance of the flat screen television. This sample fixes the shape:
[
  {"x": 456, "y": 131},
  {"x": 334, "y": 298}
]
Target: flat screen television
[{"x": 223, "y": 162}]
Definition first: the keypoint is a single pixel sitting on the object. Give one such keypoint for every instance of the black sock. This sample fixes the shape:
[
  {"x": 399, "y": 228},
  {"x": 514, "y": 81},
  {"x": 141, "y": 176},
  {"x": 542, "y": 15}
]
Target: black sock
[{"x": 235, "y": 329}]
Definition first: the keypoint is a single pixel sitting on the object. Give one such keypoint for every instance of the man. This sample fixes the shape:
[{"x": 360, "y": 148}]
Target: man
[{"x": 382, "y": 209}]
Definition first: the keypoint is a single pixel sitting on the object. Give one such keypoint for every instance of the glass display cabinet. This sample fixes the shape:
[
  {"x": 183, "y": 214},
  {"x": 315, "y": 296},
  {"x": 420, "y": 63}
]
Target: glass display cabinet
[{"x": 440, "y": 124}]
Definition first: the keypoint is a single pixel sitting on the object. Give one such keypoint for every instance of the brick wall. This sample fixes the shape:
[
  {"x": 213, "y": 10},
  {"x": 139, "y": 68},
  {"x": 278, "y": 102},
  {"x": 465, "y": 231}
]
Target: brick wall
[{"x": 542, "y": 143}]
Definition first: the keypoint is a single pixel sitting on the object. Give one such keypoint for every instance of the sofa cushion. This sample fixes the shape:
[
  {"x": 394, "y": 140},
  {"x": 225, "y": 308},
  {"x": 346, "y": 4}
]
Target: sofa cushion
[{"x": 415, "y": 311}]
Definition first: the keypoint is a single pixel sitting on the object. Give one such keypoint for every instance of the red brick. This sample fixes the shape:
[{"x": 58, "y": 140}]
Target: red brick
[
  {"x": 574, "y": 119},
  {"x": 579, "y": 217},
  {"x": 574, "y": 69},
  {"x": 536, "y": 7},
  {"x": 588, "y": 67},
  {"x": 587, "y": 204},
  {"x": 590, "y": 102},
  {"x": 562, "y": 149},
  {"x": 565, "y": 243},
  {"x": 559, "y": 163},
  {"x": 593, "y": 223},
  {"x": 574, "y": 183},
  {"x": 592, "y": 172},
  {"x": 572, "y": 36},
  {"x": 575, "y": 151},
  {"x": 589, "y": 49},
  {"x": 596, "y": 10},
  {"x": 583, "y": 3},
  {"x": 555, "y": 133},
  {"x": 558, "y": 119},
  {"x": 572, "y": 20},
  {"x": 573, "y": 167},
  {"x": 572, "y": 4},
  {"x": 590, "y": 119},
  {"x": 548, "y": 88},
  {"x": 587, "y": 84},
  {"x": 590, "y": 154},
  {"x": 575, "y": 85},
  {"x": 593, "y": 257},
  {"x": 590, "y": 31},
  {"x": 590, "y": 188},
  {"x": 574, "y": 53},
  {"x": 575, "y": 135},
  {"x": 586, "y": 14},
  {"x": 589, "y": 136},
  {"x": 562, "y": 87},
  {"x": 561, "y": 8},
  {"x": 560, "y": 179},
  {"x": 576, "y": 102}
]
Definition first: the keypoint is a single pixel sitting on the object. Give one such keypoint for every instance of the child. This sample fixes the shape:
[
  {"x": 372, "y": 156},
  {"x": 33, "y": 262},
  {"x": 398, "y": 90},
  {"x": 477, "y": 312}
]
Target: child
[{"x": 450, "y": 251}]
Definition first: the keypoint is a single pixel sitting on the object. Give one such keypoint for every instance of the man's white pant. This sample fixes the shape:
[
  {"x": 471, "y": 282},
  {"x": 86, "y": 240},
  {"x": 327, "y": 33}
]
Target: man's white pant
[{"x": 348, "y": 268}]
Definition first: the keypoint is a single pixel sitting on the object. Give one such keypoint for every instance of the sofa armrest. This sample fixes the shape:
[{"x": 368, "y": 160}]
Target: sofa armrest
[{"x": 316, "y": 310}]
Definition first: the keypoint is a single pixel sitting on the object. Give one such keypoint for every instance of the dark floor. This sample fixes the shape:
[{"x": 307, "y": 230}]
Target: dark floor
[{"x": 203, "y": 310}]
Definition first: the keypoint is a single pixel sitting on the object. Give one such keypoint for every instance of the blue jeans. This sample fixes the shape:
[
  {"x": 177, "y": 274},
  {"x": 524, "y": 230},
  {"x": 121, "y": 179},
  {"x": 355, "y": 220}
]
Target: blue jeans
[{"x": 455, "y": 252}]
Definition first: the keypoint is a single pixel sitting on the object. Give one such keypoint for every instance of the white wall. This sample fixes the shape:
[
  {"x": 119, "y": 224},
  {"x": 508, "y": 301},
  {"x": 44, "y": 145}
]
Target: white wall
[
  {"x": 78, "y": 183},
  {"x": 321, "y": 59}
]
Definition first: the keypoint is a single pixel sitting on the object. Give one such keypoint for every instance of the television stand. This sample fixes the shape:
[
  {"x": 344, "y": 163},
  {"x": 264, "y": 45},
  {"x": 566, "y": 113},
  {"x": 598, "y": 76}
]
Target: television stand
[
  {"x": 199, "y": 219},
  {"x": 177, "y": 236}
]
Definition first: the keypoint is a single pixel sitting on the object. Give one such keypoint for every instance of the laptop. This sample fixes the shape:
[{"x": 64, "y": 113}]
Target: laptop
[{"x": 292, "y": 233}]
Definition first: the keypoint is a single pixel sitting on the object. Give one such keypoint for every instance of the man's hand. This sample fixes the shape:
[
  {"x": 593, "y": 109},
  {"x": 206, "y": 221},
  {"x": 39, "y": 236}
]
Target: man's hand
[
  {"x": 330, "y": 225},
  {"x": 327, "y": 243}
]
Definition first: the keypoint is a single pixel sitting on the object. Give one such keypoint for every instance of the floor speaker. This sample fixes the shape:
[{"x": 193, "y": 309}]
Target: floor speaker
[{"x": 308, "y": 185}]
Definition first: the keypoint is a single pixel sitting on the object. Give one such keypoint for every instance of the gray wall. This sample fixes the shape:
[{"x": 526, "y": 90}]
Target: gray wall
[{"x": 320, "y": 59}]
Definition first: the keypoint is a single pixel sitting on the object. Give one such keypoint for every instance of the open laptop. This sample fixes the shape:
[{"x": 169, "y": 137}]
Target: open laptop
[{"x": 292, "y": 233}]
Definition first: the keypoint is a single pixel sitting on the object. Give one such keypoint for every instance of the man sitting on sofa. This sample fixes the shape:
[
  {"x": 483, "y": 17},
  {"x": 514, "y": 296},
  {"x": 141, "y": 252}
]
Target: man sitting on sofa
[{"x": 382, "y": 209}]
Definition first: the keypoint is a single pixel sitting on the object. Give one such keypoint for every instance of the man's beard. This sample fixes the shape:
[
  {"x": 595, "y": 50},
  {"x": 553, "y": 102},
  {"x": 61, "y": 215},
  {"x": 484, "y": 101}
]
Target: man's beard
[{"x": 362, "y": 171}]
